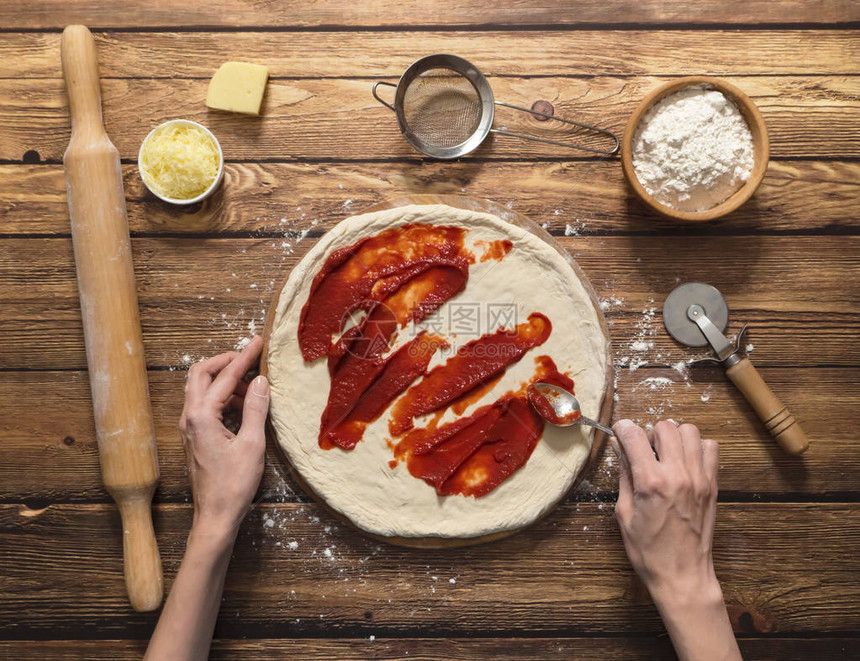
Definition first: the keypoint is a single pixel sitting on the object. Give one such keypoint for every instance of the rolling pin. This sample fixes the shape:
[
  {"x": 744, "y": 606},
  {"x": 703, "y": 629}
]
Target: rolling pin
[{"x": 114, "y": 343}]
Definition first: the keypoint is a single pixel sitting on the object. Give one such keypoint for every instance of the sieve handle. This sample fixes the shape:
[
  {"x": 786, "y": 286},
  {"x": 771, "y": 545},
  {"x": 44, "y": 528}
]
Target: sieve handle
[
  {"x": 378, "y": 98},
  {"x": 607, "y": 152}
]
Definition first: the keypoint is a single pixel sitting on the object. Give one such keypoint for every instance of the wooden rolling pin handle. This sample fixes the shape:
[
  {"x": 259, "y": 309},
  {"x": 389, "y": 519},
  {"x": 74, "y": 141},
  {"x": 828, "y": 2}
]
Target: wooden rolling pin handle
[
  {"x": 776, "y": 418},
  {"x": 81, "y": 71},
  {"x": 140, "y": 550}
]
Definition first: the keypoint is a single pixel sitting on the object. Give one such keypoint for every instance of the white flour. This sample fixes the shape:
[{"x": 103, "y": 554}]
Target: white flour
[{"x": 693, "y": 149}]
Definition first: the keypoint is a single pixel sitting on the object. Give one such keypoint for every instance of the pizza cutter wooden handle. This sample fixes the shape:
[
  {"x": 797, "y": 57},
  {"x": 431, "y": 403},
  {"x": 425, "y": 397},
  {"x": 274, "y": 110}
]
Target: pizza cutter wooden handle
[
  {"x": 114, "y": 343},
  {"x": 779, "y": 422}
]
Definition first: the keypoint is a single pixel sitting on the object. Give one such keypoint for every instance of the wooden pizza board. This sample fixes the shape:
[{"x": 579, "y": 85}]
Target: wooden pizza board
[{"x": 599, "y": 438}]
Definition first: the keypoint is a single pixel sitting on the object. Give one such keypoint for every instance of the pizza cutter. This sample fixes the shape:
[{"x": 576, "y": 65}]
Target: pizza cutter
[{"x": 696, "y": 314}]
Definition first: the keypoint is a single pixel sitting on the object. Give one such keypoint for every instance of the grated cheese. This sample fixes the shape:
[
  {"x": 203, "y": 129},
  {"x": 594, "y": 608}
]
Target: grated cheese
[{"x": 179, "y": 161}]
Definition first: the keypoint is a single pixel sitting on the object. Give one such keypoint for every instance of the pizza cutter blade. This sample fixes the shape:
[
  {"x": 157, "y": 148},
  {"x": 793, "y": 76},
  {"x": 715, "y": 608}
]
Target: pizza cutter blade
[
  {"x": 696, "y": 314},
  {"x": 688, "y": 307}
]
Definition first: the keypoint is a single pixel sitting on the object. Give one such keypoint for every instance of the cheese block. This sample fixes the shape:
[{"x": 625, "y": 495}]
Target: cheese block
[{"x": 238, "y": 87}]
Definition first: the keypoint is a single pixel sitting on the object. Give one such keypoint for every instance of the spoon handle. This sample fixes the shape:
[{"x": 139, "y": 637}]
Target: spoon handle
[{"x": 592, "y": 423}]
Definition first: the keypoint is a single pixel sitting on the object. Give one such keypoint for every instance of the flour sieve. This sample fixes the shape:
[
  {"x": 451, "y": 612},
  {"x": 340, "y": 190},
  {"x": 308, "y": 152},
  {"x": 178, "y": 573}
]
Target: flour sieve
[{"x": 445, "y": 108}]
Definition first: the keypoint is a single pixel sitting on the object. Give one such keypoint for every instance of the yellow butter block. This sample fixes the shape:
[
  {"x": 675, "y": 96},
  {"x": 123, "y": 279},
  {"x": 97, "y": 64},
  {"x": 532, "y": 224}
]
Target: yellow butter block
[{"x": 238, "y": 87}]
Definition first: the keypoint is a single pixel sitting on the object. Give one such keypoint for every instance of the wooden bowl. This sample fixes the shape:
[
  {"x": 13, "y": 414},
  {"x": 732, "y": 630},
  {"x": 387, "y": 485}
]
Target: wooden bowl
[{"x": 761, "y": 148}]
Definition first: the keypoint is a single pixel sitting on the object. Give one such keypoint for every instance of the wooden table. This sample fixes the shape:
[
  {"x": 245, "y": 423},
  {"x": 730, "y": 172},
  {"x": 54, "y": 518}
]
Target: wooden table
[{"x": 788, "y": 529}]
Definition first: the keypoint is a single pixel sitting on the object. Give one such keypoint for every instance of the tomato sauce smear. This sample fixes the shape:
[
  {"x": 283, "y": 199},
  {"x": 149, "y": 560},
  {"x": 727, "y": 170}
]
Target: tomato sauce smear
[
  {"x": 365, "y": 273},
  {"x": 473, "y": 364},
  {"x": 400, "y": 276},
  {"x": 473, "y": 455}
]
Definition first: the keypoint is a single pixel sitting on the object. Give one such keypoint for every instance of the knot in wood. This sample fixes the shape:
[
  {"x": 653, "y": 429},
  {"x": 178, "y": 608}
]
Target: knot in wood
[{"x": 544, "y": 107}]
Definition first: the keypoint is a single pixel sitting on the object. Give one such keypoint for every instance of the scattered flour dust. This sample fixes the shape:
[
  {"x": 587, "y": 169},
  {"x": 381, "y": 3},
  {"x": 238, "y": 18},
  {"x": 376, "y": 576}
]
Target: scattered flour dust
[
  {"x": 656, "y": 382},
  {"x": 275, "y": 254},
  {"x": 659, "y": 371},
  {"x": 337, "y": 562},
  {"x": 608, "y": 304},
  {"x": 577, "y": 228},
  {"x": 184, "y": 361}
]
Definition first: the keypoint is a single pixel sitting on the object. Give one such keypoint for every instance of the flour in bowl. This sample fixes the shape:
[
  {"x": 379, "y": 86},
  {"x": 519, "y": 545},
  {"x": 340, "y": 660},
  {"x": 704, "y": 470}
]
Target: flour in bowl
[{"x": 693, "y": 149}]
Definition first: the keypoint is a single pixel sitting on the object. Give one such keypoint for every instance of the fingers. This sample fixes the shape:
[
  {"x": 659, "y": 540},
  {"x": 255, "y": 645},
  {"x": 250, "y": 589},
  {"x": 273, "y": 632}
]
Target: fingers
[
  {"x": 636, "y": 448},
  {"x": 667, "y": 442},
  {"x": 255, "y": 410},
  {"x": 711, "y": 461},
  {"x": 624, "y": 506},
  {"x": 711, "y": 464},
  {"x": 241, "y": 388},
  {"x": 237, "y": 399},
  {"x": 226, "y": 382},
  {"x": 201, "y": 374},
  {"x": 691, "y": 443}
]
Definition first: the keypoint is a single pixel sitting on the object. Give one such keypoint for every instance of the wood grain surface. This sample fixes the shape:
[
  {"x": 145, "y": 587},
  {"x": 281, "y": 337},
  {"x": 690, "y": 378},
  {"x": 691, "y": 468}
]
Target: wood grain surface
[
  {"x": 301, "y": 120},
  {"x": 53, "y": 14},
  {"x": 63, "y": 435},
  {"x": 788, "y": 532},
  {"x": 191, "y": 312},
  {"x": 589, "y": 196},
  {"x": 557, "y": 648},
  {"x": 369, "y": 53},
  {"x": 308, "y": 592}
]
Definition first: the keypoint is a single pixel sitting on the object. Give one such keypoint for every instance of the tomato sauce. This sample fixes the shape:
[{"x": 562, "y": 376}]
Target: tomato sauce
[
  {"x": 472, "y": 455},
  {"x": 361, "y": 275},
  {"x": 544, "y": 406},
  {"x": 473, "y": 364},
  {"x": 351, "y": 409},
  {"x": 495, "y": 249},
  {"x": 388, "y": 280}
]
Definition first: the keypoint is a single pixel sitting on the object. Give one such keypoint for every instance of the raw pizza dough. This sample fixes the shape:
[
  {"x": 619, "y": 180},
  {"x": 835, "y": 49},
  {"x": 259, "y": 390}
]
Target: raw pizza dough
[{"x": 359, "y": 483}]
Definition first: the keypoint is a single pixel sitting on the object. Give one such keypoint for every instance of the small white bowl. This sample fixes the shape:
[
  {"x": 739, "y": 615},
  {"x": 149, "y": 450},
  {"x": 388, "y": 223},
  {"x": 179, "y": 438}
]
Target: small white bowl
[{"x": 212, "y": 186}]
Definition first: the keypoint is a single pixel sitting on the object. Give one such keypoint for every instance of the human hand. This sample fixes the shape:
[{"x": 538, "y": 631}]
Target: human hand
[
  {"x": 666, "y": 509},
  {"x": 224, "y": 468}
]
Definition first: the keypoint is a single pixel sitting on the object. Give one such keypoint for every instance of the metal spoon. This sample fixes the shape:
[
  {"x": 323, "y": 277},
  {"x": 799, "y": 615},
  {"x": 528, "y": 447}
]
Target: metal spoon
[{"x": 564, "y": 405}]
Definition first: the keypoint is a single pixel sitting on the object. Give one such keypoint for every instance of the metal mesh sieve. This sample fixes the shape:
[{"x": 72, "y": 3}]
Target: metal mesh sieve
[
  {"x": 441, "y": 107},
  {"x": 445, "y": 108}
]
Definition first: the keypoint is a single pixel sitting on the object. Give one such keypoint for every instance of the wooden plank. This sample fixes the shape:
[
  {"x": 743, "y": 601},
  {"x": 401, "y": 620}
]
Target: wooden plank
[
  {"x": 62, "y": 435},
  {"x": 640, "y": 648},
  {"x": 566, "y": 575},
  {"x": 807, "y": 117},
  {"x": 54, "y": 14},
  {"x": 586, "y": 197},
  {"x": 198, "y": 296},
  {"x": 388, "y": 53}
]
